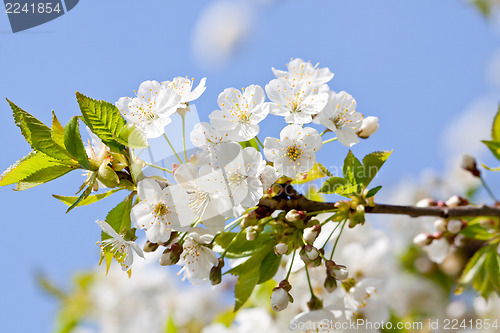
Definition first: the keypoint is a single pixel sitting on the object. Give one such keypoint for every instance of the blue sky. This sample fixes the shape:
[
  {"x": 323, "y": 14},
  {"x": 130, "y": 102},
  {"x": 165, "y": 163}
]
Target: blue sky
[{"x": 416, "y": 64}]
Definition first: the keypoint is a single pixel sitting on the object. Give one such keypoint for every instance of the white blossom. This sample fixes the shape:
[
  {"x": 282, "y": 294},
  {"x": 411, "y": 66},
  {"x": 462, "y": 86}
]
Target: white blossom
[
  {"x": 197, "y": 259},
  {"x": 340, "y": 116},
  {"x": 295, "y": 151},
  {"x": 151, "y": 109},
  {"x": 299, "y": 70},
  {"x": 438, "y": 250},
  {"x": 184, "y": 88},
  {"x": 368, "y": 127},
  {"x": 121, "y": 248},
  {"x": 297, "y": 102},
  {"x": 161, "y": 211},
  {"x": 455, "y": 226},
  {"x": 240, "y": 112}
]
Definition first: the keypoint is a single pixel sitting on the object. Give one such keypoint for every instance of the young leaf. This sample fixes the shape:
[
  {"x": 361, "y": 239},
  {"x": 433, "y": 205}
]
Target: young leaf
[
  {"x": 494, "y": 147},
  {"x": 43, "y": 176},
  {"x": 73, "y": 143},
  {"x": 495, "y": 129},
  {"x": 373, "y": 191},
  {"x": 240, "y": 247},
  {"x": 119, "y": 217},
  {"x": 87, "y": 201},
  {"x": 28, "y": 165},
  {"x": 103, "y": 119},
  {"x": 250, "y": 143},
  {"x": 244, "y": 287},
  {"x": 269, "y": 267},
  {"x": 133, "y": 137},
  {"x": 57, "y": 132},
  {"x": 334, "y": 185},
  {"x": 38, "y": 135},
  {"x": 317, "y": 171},
  {"x": 372, "y": 164},
  {"x": 353, "y": 171},
  {"x": 473, "y": 267}
]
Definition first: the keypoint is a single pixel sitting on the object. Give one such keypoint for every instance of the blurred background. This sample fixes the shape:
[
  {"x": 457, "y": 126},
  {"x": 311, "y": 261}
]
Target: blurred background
[{"x": 430, "y": 70}]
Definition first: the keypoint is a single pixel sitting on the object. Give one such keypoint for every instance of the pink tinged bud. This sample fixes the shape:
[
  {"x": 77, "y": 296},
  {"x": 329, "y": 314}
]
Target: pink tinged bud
[
  {"x": 150, "y": 247},
  {"x": 455, "y": 226},
  {"x": 175, "y": 166},
  {"x": 440, "y": 225},
  {"x": 193, "y": 159},
  {"x": 279, "y": 299},
  {"x": 468, "y": 163},
  {"x": 280, "y": 249},
  {"x": 422, "y": 240},
  {"x": 310, "y": 234},
  {"x": 427, "y": 202},
  {"x": 294, "y": 215},
  {"x": 368, "y": 127}
]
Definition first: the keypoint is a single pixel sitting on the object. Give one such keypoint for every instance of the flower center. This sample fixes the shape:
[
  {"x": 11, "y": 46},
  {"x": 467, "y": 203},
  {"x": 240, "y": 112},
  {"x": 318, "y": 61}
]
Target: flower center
[
  {"x": 293, "y": 152},
  {"x": 235, "y": 178},
  {"x": 160, "y": 209}
]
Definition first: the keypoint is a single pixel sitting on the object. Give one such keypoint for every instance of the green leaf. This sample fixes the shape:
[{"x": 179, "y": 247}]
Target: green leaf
[
  {"x": 250, "y": 143},
  {"x": 38, "y": 135},
  {"x": 57, "y": 132},
  {"x": 373, "y": 191},
  {"x": 74, "y": 145},
  {"x": 316, "y": 172},
  {"x": 353, "y": 171},
  {"x": 473, "y": 267},
  {"x": 43, "y": 176},
  {"x": 269, "y": 267},
  {"x": 241, "y": 247},
  {"x": 334, "y": 185},
  {"x": 495, "y": 129},
  {"x": 244, "y": 287},
  {"x": 494, "y": 147},
  {"x": 475, "y": 230},
  {"x": 119, "y": 217},
  {"x": 133, "y": 137},
  {"x": 28, "y": 165},
  {"x": 103, "y": 119},
  {"x": 87, "y": 201},
  {"x": 171, "y": 327},
  {"x": 83, "y": 196},
  {"x": 493, "y": 268},
  {"x": 372, "y": 164}
]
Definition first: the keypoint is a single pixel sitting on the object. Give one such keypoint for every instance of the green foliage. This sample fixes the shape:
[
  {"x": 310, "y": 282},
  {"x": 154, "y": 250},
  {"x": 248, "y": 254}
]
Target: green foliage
[
  {"x": 119, "y": 217},
  {"x": 482, "y": 271},
  {"x": 494, "y": 144},
  {"x": 237, "y": 246},
  {"x": 249, "y": 274},
  {"x": 38, "y": 135},
  {"x": 57, "y": 132},
  {"x": 356, "y": 176},
  {"x": 87, "y": 201},
  {"x": 250, "y": 143},
  {"x": 318, "y": 171},
  {"x": 269, "y": 267},
  {"x": 43, "y": 176},
  {"x": 26, "y": 166},
  {"x": 105, "y": 120},
  {"x": 476, "y": 229},
  {"x": 74, "y": 145}
]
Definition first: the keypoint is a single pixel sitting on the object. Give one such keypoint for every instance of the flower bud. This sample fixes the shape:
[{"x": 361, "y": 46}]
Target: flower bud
[
  {"x": 311, "y": 252},
  {"x": 279, "y": 299},
  {"x": 108, "y": 176},
  {"x": 171, "y": 255},
  {"x": 216, "y": 272},
  {"x": 315, "y": 303},
  {"x": 330, "y": 284},
  {"x": 440, "y": 225},
  {"x": 285, "y": 285},
  {"x": 295, "y": 215},
  {"x": 280, "y": 249},
  {"x": 468, "y": 163},
  {"x": 368, "y": 127},
  {"x": 460, "y": 240},
  {"x": 150, "y": 247},
  {"x": 311, "y": 233},
  {"x": 427, "y": 202},
  {"x": 456, "y": 201},
  {"x": 175, "y": 166},
  {"x": 340, "y": 272},
  {"x": 251, "y": 233},
  {"x": 422, "y": 240},
  {"x": 455, "y": 226}
]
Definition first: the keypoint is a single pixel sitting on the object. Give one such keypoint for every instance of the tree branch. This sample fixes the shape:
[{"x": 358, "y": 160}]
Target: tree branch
[{"x": 304, "y": 204}]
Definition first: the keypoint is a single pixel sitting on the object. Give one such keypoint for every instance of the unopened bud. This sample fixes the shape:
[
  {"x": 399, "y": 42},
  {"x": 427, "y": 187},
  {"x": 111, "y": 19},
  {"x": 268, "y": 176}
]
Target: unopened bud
[
  {"x": 250, "y": 220},
  {"x": 280, "y": 249},
  {"x": 175, "y": 166},
  {"x": 279, "y": 299},
  {"x": 368, "y": 127},
  {"x": 440, "y": 225},
  {"x": 427, "y": 202},
  {"x": 172, "y": 255},
  {"x": 295, "y": 215},
  {"x": 108, "y": 176},
  {"x": 468, "y": 163},
  {"x": 456, "y": 201},
  {"x": 311, "y": 252},
  {"x": 315, "y": 303},
  {"x": 422, "y": 240},
  {"x": 310, "y": 234},
  {"x": 455, "y": 226},
  {"x": 251, "y": 234},
  {"x": 216, "y": 272},
  {"x": 150, "y": 247},
  {"x": 340, "y": 272},
  {"x": 285, "y": 285},
  {"x": 330, "y": 284}
]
